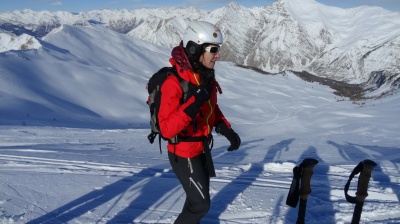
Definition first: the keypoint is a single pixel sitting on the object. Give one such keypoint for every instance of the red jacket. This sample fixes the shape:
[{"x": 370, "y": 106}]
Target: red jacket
[{"x": 172, "y": 118}]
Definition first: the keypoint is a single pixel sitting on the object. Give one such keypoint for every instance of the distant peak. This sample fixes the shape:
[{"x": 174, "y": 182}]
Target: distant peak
[
  {"x": 297, "y": 2},
  {"x": 288, "y": 1},
  {"x": 234, "y": 5}
]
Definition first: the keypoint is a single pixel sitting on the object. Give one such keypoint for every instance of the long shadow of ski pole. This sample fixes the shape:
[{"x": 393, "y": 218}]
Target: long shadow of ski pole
[
  {"x": 94, "y": 199},
  {"x": 227, "y": 195}
]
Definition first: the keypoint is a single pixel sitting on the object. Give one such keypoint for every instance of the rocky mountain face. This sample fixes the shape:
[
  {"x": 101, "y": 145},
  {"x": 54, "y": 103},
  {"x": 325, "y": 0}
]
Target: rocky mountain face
[{"x": 357, "y": 45}]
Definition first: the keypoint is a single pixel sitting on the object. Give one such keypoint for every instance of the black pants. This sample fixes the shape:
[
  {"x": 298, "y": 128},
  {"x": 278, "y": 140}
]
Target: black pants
[{"x": 195, "y": 180}]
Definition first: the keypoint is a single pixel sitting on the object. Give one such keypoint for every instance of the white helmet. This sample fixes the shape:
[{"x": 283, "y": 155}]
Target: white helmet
[{"x": 201, "y": 32}]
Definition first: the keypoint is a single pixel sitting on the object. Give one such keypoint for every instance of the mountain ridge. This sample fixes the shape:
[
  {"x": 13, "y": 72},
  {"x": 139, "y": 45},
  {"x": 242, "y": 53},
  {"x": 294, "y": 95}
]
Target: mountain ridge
[{"x": 351, "y": 45}]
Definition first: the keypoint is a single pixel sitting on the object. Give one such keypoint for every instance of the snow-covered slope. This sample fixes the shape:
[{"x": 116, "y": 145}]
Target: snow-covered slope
[
  {"x": 22, "y": 42},
  {"x": 344, "y": 44},
  {"x": 87, "y": 75},
  {"x": 80, "y": 73}
]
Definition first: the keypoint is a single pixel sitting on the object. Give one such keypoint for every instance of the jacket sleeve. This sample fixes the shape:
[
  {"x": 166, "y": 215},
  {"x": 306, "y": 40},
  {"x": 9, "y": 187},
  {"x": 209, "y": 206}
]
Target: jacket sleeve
[
  {"x": 172, "y": 118},
  {"x": 219, "y": 116}
]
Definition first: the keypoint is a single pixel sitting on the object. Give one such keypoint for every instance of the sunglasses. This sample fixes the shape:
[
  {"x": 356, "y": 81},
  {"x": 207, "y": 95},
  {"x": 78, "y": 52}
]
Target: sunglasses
[{"x": 212, "y": 49}]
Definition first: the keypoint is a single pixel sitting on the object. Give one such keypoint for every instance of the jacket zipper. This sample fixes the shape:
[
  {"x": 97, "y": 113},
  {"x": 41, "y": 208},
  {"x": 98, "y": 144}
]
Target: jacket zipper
[
  {"x": 208, "y": 118},
  {"x": 209, "y": 104}
]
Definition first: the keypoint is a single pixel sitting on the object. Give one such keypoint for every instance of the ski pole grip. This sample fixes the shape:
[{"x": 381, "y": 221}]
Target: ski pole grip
[
  {"x": 363, "y": 180},
  {"x": 308, "y": 167}
]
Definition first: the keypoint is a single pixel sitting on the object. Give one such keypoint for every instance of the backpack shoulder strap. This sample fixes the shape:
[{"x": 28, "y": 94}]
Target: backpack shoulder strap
[{"x": 185, "y": 85}]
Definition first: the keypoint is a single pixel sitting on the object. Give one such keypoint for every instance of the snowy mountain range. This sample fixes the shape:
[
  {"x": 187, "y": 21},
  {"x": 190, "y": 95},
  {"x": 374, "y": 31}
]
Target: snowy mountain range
[{"x": 357, "y": 45}]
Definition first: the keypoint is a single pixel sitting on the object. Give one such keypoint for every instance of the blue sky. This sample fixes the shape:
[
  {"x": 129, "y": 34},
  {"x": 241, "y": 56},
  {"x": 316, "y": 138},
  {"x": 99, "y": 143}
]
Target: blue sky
[{"x": 87, "y": 5}]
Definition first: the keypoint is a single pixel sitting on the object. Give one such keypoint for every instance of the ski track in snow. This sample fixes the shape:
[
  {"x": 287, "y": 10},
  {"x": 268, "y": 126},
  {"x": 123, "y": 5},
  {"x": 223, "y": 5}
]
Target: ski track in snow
[{"x": 111, "y": 190}]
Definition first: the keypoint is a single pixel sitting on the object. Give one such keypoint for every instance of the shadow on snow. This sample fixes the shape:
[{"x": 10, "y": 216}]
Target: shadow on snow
[
  {"x": 230, "y": 192},
  {"x": 147, "y": 200}
]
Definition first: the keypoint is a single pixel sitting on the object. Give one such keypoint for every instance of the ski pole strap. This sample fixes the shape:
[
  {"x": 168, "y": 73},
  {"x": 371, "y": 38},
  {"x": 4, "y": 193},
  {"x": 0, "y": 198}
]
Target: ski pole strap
[
  {"x": 293, "y": 196},
  {"x": 356, "y": 171}
]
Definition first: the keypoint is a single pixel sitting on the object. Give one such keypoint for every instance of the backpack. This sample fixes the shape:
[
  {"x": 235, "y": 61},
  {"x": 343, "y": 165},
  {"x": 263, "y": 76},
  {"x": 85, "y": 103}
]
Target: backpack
[{"x": 154, "y": 99}]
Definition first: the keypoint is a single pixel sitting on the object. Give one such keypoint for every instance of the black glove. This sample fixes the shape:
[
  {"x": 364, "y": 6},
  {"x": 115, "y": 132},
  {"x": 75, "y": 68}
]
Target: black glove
[
  {"x": 230, "y": 134},
  {"x": 201, "y": 95}
]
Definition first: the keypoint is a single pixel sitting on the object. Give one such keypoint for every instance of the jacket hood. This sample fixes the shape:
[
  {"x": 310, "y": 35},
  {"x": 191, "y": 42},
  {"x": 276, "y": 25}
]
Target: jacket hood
[{"x": 180, "y": 57}]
